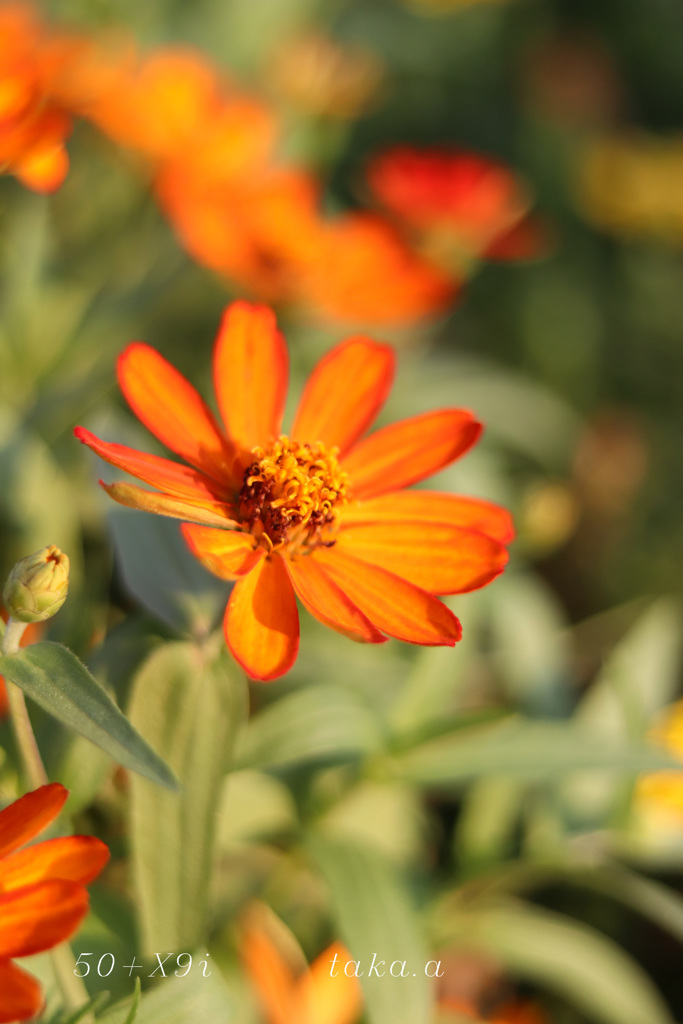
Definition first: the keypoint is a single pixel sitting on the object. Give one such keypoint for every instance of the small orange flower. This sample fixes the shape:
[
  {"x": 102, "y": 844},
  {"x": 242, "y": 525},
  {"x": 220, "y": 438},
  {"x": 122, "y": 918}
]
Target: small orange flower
[
  {"x": 33, "y": 128},
  {"x": 321, "y": 512},
  {"x": 462, "y": 205},
  {"x": 314, "y": 997},
  {"x": 43, "y": 898}
]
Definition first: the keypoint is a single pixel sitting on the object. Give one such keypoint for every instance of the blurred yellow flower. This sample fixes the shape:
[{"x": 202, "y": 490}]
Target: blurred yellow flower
[
  {"x": 630, "y": 185},
  {"x": 661, "y": 793}
]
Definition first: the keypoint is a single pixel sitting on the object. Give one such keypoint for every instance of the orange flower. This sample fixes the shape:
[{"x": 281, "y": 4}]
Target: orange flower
[
  {"x": 510, "y": 1013},
  {"x": 33, "y": 128},
  {"x": 320, "y": 513},
  {"x": 314, "y": 997},
  {"x": 31, "y": 634},
  {"x": 43, "y": 898},
  {"x": 462, "y": 205}
]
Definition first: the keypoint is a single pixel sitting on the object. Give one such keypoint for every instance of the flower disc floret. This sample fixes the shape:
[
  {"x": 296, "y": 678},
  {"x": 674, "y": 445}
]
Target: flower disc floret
[{"x": 292, "y": 494}]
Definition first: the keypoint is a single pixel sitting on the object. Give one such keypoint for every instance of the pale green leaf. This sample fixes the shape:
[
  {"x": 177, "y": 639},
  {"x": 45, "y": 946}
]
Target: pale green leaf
[
  {"x": 54, "y": 678},
  {"x": 528, "y": 749},
  {"x": 194, "y": 998},
  {"x": 584, "y": 966},
  {"x": 191, "y": 706},
  {"x": 376, "y": 916},
  {"x": 317, "y": 723}
]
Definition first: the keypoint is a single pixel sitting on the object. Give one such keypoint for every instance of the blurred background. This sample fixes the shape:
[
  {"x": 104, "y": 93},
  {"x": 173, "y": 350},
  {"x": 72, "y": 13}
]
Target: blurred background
[{"x": 499, "y": 794}]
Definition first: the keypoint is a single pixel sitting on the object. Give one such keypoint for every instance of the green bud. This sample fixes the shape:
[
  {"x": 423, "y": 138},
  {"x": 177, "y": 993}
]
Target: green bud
[{"x": 37, "y": 586}]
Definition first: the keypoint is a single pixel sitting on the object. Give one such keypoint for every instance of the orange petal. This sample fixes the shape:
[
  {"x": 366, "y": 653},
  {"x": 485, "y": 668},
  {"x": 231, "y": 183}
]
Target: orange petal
[
  {"x": 173, "y": 411},
  {"x": 162, "y": 473},
  {"x": 4, "y": 699},
  {"x": 345, "y": 392},
  {"x": 22, "y": 996},
  {"x": 261, "y": 621},
  {"x": 395, "y": 606},
  {"x": 433, "y": 507},
  {"x": 410, "y": 450},
  {"x": 70, "y": 859},
  {"x": 330, "y": 605},
  {"x": 29, "y": 815},
  {"x": 250, "y": 374},
  {"x": 328, "y": 999},
  {"x": 43, "y": 170},
  {"x": 40, "y": 916},
  {"x": 271, "y": 976},
  {"x": 439, "y": 558},
  {"x": 209, "y": 513},
  {"x": 227, "y": 553}
]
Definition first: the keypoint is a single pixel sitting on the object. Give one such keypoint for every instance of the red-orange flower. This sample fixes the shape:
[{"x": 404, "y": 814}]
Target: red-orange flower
[
  {"x": 320, "y": 513},
  {"x": 43, "y": 898},
  {"x": 463, "y": 206},
  {"x": 315, "y": 996}
]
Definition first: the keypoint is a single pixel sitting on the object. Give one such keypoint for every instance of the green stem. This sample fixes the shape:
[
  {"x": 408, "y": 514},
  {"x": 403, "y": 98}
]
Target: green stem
[{"x": 73, "y": 990}]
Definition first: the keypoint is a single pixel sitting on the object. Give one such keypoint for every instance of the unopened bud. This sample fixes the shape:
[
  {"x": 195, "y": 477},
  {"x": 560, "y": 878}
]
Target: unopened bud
[{"x": 37, "y": 586}]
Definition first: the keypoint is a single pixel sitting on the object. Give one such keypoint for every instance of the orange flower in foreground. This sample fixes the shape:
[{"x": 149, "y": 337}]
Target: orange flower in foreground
[
  {"x": 33, "y": 128},
  {"x": 321, "y": 512},
  {"x": 465, "y": 206},
  {"x": 314, "y": 997},
  {"x": 43, "y": 898}
]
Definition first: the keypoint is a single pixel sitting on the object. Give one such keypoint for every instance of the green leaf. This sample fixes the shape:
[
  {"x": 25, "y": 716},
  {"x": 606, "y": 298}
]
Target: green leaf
[
  {"x": 317, "y": 723},
  {"x": 54, "y": 678},
  {"x": 135, "y": 1003},
  {"x": 191, "y": 707},
  {"x": 529, "y": 749},
  {"x": 159, "y": 570},
  {"x": 562, "y": 954},
  {"x": 376, "y": 916},
  {"x": 178, "y": 1001}
]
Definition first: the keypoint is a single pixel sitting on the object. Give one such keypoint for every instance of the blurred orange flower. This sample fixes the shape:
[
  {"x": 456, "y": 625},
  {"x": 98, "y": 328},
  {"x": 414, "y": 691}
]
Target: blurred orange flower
[
  {"x": 314, "y": 997},
  {"x": 510, "y": 1013},
  {"x": 33, "y": 128},
  {"x": 462, "y": 207},
  {"x": 43, "y": 898},
  {"x": 321, "y": 513}
]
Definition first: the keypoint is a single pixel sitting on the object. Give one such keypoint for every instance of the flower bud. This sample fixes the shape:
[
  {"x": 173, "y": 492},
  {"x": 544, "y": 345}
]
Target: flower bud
[{"x": 37, "y": 586}]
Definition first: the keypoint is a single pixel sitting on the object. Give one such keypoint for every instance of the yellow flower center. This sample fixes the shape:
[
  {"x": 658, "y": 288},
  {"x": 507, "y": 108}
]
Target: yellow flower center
[{"x": 292, "y": 494}]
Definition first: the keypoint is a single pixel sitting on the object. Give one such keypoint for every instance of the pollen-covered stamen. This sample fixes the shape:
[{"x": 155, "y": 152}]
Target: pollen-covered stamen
[{"x": 292, "y": 493}]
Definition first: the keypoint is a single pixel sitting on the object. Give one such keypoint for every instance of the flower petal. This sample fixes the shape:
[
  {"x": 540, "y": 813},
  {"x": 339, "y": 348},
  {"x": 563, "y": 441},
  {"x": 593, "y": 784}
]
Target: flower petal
[
  {"x": 440, "y": 558},
  {"x": 329, "y": 999},
  {"x": 261, "y": 621},
  {"x": 227, "y": 553},
  {"x": 173, "y": 411},
  {"x": 330, "y": 605},
  {"x": 22, "y": 996},
  {"x": 29, "y": 815},
  {"x": 345, "y": 392},
  {"x": 408, "y": 451},
  {"x": 70, "y": 859},
  {"x": 394, "y": 605},
  {"x": 208, "y": 513},
  {"x": 270, "y": 975},
  {"x": 433, "y": 507},
  {"x": 250, "y": 366},
  {"x": 162, "y": 473},
  {"x": 41, "y": 916}
]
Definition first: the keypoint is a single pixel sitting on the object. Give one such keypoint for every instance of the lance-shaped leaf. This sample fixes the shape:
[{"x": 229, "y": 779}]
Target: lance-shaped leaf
[
  {"x": 190, "y": 706},
  {"x": 374, "y": 909},
  {"x": 54, "y": 678}
]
